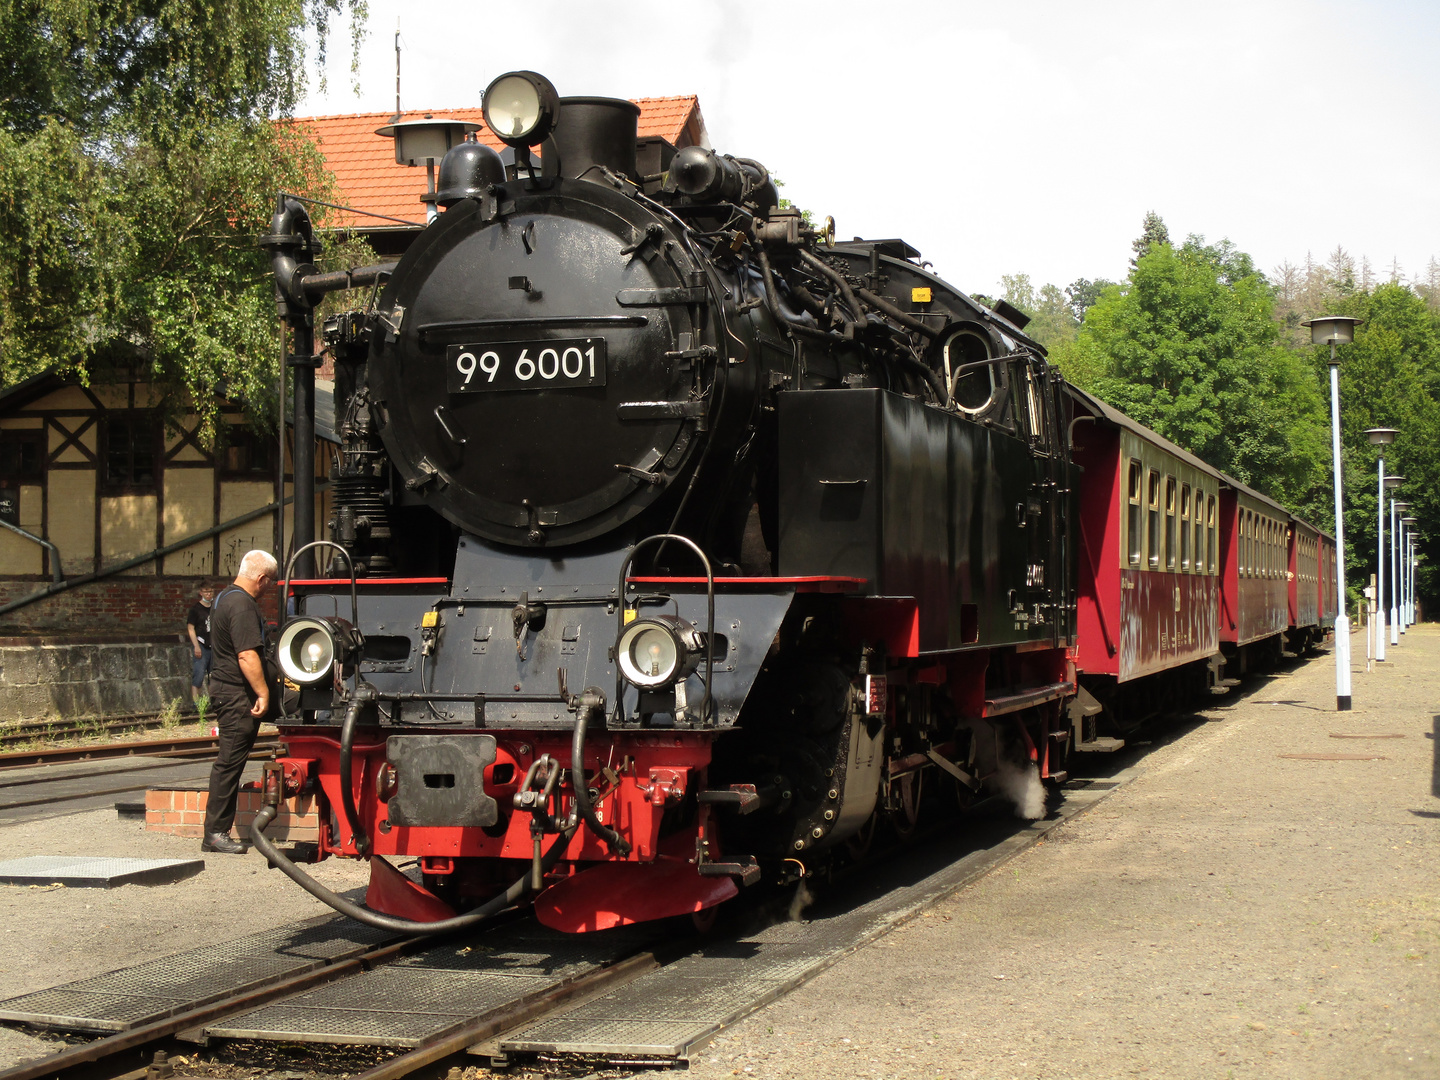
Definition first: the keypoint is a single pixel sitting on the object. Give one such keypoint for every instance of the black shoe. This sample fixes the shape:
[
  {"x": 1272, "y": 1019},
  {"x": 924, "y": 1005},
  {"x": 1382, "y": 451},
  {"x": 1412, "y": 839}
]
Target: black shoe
[{"x": 223, "y": 843}]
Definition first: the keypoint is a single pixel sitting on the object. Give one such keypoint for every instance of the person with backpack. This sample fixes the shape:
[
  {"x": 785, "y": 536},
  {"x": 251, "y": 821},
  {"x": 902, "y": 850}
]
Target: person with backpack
[{"x": 240, "y": 694}]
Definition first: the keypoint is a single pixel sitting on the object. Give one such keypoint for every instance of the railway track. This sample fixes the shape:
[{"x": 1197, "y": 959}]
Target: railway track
[
  {"x": 39, "y": 730},
  {"x": 132, "y": 1054},
  {"x": 181, "y": 746}
]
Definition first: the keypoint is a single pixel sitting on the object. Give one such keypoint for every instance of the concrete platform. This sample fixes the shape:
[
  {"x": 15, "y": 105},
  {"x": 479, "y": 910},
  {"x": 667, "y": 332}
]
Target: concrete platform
[{"x": 96, "y": 873}]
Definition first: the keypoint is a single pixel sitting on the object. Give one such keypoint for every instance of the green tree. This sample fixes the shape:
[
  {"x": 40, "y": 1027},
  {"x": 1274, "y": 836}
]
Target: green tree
[
  {"x": 1389, "y": 377},
  {"x": 1082, "y": 294},
  {"x": 1051, "y": 321},
  {"x": 1154, "y": 233},
  {"x": 1188, "y": 345},
  {"x": 139, "y": 158}
]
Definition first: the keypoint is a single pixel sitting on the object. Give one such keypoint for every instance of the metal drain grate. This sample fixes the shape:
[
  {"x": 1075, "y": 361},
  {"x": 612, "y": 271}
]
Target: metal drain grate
[
  {"x": 406, "y": 1002},
  {"x": 96, "y": 873},
  {"x": 122, "y": 999}
]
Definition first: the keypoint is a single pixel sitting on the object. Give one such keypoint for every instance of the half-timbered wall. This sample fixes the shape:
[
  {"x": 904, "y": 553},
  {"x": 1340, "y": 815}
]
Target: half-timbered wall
[{"x": 93, "y": 471}]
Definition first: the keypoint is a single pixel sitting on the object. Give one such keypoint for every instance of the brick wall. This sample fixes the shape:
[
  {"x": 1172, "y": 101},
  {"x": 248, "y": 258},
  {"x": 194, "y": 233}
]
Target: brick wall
[
  {"x": 142, "y": 605},
  {"x": 182, "y": 812}
]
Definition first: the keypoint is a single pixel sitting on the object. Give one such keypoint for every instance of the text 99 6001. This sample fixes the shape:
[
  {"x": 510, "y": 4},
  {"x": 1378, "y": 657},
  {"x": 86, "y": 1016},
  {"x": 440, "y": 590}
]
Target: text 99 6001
[{"x": 525, "y": 365}]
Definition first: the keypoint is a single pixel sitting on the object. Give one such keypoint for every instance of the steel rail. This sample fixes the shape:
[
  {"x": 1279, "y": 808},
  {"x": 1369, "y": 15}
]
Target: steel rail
[
  {"x": 182, "y": 747},
  {"x": 131, "y": 1049},
  {"x": 459, "y": 1037},
  {"x": 128, "y": 1054}
]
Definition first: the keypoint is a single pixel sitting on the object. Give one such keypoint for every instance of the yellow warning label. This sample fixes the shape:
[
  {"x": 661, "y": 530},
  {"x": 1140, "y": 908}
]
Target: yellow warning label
[
  {"x": 920, "y": 296},
  {"x": 430, "y": 620},
  {"x": 630, "y": 615}
]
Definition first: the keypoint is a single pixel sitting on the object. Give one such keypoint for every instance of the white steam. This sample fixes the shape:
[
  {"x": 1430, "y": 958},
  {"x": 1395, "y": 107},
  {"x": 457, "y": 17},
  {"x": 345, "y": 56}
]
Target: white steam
[{"x": 1021, "y": 785}]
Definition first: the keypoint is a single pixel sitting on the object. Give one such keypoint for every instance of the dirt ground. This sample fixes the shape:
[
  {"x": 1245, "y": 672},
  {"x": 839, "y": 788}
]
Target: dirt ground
[{"x": 1229, "y": 913}]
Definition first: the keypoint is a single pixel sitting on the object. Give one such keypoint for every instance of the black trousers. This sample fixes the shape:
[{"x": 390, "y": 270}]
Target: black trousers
[{"x": 237, "y": 737}]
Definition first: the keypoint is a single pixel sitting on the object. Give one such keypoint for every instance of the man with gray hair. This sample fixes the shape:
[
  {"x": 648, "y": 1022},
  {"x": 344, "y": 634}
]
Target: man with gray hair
[{"x": 241, "y": 696}]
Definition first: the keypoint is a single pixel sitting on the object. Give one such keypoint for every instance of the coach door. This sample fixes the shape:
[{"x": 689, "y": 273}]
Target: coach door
[{"x": 1045, "y": 524}]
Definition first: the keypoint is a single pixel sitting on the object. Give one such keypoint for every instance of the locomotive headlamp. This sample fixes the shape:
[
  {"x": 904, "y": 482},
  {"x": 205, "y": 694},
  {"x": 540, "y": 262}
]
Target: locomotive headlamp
[
  {"x": 309, "y": 648},
  {"x": 656, "y": 652},
  {"x": 520, "y": 107}
]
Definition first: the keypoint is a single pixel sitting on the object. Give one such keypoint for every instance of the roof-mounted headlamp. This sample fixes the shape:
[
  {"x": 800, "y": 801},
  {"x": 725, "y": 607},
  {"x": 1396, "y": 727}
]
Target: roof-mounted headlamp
[{"x": 521, "y": 107}]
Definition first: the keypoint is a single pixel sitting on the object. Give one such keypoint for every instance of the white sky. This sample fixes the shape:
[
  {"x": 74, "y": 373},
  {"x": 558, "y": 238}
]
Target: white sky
[{"x": 1028, "y": 135}]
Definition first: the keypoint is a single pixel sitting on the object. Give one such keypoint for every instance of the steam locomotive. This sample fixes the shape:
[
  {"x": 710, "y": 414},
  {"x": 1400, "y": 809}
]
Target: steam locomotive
[{"x": 677, "y": 544}]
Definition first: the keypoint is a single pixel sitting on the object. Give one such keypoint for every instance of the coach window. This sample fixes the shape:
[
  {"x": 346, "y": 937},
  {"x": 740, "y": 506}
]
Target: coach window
[
  {"x": 1199, "y": 531},
  {"x": 1170, "y": 523},
  {"x": 1246, "y": 536},
  {"x": 1153, "y": 539},
  {"x": 1132, "y": 524},
  {"x": 1185, "y": 528},
  {"x": 1210, "y": 532}
]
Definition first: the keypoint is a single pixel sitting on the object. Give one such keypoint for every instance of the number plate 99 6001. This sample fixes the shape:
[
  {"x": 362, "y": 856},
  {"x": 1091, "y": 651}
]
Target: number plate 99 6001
[{"x": 525, "y": 365}]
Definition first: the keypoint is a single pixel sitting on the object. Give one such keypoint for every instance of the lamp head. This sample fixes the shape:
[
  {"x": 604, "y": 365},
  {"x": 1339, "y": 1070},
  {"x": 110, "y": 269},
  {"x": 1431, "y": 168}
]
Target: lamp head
[
  {"x": 521, "y": 108},
  {"x": 427, "y": 140},
  {"x": 1332, "y": 329},
  {"x": 1398, "y": 505},
  {"x": 1394, "y": 481},
  {"x": 1381, "y": 436},
  {"x": 1409, "y": 521}
]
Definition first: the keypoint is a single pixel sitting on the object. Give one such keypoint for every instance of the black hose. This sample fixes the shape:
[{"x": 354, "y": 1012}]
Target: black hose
[
  {"x": 347, "y": 790},
  {"x": 772, "y": 300},
  {"x": 509, "y": 898},
  {"x": 839, "y": 279},
  {"x": 930, "y": 375},
  {"x": 617, "y": 843}
]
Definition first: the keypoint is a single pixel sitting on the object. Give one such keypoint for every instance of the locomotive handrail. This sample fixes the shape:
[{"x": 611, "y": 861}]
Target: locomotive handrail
[
  {"x": 354, "y": 597},
  {"x": 706, "y": 703}
]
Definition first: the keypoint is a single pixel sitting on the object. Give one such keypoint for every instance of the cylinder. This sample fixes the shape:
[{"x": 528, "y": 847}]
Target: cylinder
[{"x": 591, "y": 133}]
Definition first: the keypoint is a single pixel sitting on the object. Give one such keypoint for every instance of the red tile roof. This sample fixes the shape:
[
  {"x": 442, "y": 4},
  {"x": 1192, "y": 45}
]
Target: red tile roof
[{"x": 367, "y": 177}]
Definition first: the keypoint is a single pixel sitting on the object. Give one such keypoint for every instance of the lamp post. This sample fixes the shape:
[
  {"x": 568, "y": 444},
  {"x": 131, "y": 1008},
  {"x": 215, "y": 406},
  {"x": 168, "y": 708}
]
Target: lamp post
[
  {"x": 1337, "y": 330},
  {"x": 1397, "y": 575},
  {"x": 1409, "y": 524},
  {"x": 1393, "y": 482},
  {"x": 1381, "y": 437}
]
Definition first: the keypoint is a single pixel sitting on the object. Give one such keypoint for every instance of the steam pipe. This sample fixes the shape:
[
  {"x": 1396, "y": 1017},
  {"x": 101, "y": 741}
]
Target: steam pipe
[
  {"x": 839, "y": 279},
  {"x": 904, "y": 318},
  {"x": 316, "y": 285}
]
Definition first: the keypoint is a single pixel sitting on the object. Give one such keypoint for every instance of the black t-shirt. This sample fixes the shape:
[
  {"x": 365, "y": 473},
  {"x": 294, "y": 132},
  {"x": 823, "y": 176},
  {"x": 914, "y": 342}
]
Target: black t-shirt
[
  {"x": 199, "y": 618},
  {"x": 235, "y": 626}
]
